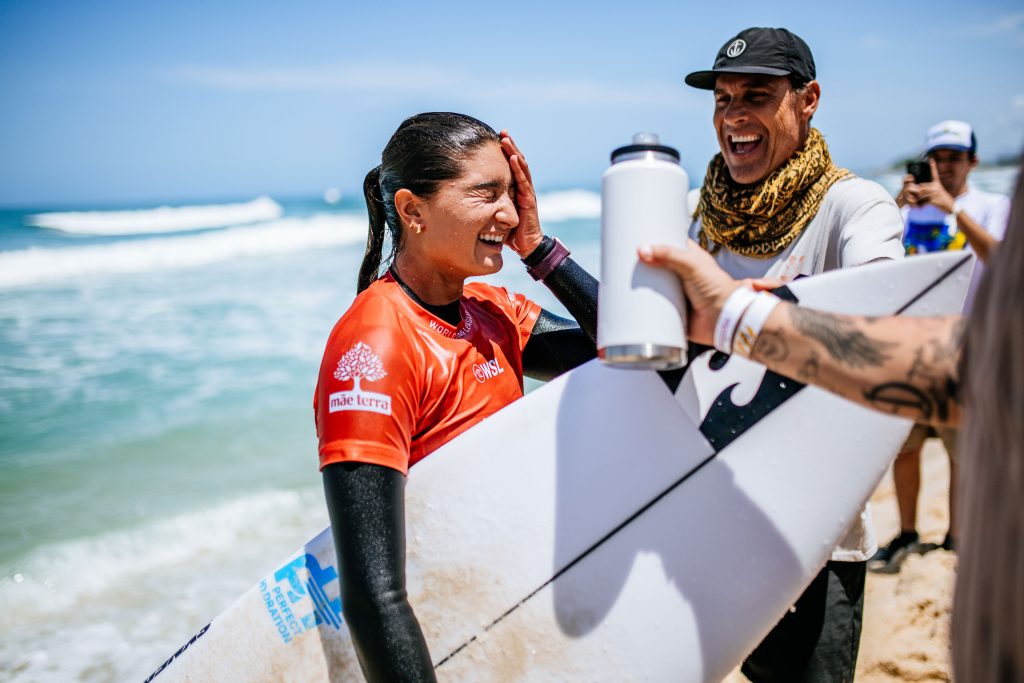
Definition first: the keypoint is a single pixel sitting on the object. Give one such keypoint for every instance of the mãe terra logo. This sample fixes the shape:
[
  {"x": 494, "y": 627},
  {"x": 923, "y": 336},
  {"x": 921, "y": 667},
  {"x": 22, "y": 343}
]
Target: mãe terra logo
[{"x": 360, "y": 363}]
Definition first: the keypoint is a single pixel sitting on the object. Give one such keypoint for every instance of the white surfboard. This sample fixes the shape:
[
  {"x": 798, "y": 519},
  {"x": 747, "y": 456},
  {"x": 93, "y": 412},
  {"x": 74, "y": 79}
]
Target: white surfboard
[{"x": 604, "y": 527}]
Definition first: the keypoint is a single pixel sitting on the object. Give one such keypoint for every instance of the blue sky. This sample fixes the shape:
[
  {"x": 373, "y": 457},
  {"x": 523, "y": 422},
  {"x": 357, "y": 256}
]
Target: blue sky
[{"x": 134, "y": 101}]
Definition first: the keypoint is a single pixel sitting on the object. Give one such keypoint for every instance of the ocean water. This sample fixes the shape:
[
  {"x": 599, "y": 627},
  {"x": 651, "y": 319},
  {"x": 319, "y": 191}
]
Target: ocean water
[{"x": 157, "y": 450}]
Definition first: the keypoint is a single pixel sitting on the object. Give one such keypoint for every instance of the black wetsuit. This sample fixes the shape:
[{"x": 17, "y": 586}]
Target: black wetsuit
[{"x": 367, "y": 502}]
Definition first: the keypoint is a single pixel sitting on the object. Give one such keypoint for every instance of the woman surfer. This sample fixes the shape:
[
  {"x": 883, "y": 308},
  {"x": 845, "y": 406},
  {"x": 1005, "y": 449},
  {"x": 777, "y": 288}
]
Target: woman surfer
[{"x": 420, "y": 356}]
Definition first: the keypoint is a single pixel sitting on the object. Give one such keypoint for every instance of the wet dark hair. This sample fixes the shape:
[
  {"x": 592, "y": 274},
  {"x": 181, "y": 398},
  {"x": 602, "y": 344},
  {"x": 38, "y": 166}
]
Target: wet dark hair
[{"x": 426, "y": 150}]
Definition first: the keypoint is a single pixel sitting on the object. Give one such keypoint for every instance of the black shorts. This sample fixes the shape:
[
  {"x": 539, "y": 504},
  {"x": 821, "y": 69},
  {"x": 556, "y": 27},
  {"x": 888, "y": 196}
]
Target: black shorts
[{"x": 817, "y": 640}]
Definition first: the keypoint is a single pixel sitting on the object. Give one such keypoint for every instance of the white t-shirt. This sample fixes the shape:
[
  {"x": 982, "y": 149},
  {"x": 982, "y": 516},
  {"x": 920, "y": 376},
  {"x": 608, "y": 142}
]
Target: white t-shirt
[
  {"x": 988, "y": 209},
  {"x": 857, "y": 222}
]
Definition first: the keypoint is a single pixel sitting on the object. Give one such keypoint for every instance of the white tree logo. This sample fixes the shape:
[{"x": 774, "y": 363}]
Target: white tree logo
[{"x": 360, "y": 362}]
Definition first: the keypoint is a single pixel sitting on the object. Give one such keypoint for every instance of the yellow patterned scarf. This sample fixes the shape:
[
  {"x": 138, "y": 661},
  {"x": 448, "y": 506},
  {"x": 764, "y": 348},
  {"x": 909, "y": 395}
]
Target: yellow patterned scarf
[{"x": 763, "y": 219}]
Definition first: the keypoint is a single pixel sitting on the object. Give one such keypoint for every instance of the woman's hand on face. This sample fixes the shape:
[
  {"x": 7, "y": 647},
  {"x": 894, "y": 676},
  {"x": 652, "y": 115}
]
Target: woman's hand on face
[{"x": 527, "y": 235}]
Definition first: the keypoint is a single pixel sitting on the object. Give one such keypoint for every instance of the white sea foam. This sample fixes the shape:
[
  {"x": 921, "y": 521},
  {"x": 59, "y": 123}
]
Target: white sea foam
[
  {"x": 569, "y": 205},
  {"x": 114, "y": 607},
  {"x": 52, "y": 580},
  {"x": 40, "y": 265},
  {"x": 162, "y": 219}
]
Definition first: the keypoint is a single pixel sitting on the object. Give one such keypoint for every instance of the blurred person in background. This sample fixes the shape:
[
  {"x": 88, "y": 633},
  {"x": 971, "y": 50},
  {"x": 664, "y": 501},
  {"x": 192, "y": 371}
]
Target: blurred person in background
[{"x": 941, "y": 212}]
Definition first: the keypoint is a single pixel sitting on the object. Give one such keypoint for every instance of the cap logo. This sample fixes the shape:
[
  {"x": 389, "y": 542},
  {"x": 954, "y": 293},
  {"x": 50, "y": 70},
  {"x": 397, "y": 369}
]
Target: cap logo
[{"x": 736, "y": 48}]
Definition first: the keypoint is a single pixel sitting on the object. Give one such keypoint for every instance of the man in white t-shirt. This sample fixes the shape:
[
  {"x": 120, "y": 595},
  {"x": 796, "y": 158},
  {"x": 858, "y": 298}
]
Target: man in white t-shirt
[
  {"x": 774, "y": 205},
  {"x": 943, "y": 213}
]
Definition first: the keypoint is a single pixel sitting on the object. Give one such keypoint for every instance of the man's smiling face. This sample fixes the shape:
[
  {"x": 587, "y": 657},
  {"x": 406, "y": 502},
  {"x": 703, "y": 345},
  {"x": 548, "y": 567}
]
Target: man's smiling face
[{"x": 761, "y": 121}]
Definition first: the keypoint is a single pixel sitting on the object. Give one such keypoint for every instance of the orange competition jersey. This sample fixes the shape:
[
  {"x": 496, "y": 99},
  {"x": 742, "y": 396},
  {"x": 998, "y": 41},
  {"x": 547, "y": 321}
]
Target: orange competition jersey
[{"x": 397, "y": 382}]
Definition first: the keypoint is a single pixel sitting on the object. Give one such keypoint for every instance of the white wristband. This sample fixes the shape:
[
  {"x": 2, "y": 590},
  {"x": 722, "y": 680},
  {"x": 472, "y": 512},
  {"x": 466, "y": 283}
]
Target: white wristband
[
  {"x": 954, "y": 218},
  {"x": 729, "y": 317},
  {"x": 752, "y": 322}
]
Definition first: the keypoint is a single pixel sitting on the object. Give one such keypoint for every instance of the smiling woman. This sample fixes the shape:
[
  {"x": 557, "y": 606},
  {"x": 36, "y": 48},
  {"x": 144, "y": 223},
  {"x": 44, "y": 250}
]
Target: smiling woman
[
  {"x": 470, "y": 218},
  {"x": 420, "y": 356}
]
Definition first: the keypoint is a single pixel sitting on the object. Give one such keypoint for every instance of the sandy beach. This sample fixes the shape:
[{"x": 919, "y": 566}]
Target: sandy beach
[{"x": 906, "y": 615}]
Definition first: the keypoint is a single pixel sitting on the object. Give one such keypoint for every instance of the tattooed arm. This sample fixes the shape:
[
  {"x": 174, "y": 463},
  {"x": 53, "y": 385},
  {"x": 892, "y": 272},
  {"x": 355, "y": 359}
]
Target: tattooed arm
[{"x": 902, "y": 365}]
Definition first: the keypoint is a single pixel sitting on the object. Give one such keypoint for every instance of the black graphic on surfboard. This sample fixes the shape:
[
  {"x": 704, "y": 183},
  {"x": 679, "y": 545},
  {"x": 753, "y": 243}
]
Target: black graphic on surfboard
[{"x": 726, "y": 421}]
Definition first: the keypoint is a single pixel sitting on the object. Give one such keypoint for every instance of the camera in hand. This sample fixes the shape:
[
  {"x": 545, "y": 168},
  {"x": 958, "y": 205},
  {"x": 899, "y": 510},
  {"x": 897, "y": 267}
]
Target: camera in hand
[{"x": 921, "y": 171}]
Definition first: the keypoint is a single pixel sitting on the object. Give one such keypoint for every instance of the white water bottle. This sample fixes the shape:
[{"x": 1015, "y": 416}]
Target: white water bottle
[{"x": 641, "y": 310}]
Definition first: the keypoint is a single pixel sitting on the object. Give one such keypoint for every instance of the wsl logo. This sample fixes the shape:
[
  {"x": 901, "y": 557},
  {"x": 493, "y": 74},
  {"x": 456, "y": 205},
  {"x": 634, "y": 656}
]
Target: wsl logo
[
  {"x": 299, "y": 599},
  {"x": 358, "y": 364},
  {"x": 486, "y": 370}
]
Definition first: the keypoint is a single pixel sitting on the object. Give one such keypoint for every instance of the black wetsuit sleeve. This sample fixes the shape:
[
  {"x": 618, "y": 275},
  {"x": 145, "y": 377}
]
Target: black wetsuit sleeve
[
  {"x": 559, "y": 344},
  {"x": 556, "y": 345},
  {"x": 367, "y": 509}
]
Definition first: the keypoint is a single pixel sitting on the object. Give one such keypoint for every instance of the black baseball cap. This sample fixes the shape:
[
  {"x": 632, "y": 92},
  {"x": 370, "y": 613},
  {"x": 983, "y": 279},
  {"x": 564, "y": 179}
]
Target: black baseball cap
[{"x": 770, "y": 51}]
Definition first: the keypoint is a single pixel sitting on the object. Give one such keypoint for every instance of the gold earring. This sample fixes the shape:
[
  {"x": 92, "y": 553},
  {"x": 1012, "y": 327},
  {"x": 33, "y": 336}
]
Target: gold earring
[{"x": 418, "y": 228}]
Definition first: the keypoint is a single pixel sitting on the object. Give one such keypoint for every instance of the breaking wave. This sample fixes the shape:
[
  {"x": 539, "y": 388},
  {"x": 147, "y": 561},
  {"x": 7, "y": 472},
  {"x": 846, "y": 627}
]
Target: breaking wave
[
  {"x": 161, "y": 219},
  {"x": 115, "y": 606},
  {"x": 39, "y": 265},
  {"x": 569, "y": 205}
]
